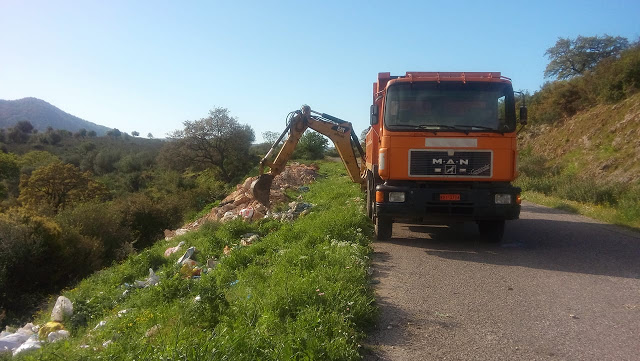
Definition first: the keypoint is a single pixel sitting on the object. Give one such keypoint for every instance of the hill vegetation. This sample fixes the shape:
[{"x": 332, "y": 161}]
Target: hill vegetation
[
  {"x": 42, "y": 116},
  {"x": 298, "y": 292},
  {"x": 582, "y": 144},
  {"x": 74, "y": 203}
]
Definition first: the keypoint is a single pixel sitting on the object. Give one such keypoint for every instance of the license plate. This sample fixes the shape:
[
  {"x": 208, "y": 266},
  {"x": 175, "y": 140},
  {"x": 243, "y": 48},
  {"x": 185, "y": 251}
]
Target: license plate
[{"x": 449, "y": 197}]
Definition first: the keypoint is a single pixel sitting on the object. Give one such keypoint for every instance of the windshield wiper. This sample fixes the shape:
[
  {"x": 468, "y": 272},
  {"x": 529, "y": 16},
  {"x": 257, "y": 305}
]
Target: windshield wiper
[
  {"x": 431, "y": 127},
  {"x": 474, "y": 126},
  {"x": 481, "y": 127}
]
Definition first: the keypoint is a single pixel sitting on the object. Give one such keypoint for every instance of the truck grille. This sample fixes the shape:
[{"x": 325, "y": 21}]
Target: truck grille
[{"x": 450, "y": 163}]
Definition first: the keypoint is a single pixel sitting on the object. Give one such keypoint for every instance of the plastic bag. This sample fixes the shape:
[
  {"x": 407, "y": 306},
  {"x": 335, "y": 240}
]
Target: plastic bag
[
  {"x": 12, "y": 341},
  {"x": 32, "y": 343},
  {"x": 62, "y": 309},
  {"x": 247, "y": 213},
  {"x": 58, "y": 335},
  {"x": 187, "y": 255},
  {"x": 171, "y": 250},
  {"x": 152, "y": 280},
  {"x": 189, "y": 270},
  {"x": 48, "y": 328}
]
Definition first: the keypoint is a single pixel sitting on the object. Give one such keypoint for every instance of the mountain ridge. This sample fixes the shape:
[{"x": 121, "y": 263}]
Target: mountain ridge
[{"x": 42, "y": 115}]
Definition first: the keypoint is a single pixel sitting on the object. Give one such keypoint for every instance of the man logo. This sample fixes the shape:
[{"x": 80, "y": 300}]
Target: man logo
[{"x": 451, "y": 161}]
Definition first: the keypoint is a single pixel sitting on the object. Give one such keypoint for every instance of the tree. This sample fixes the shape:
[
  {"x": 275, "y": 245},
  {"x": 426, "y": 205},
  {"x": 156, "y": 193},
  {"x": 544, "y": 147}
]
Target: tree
[
  {"x": 573, "y": 57},
  {"x": 24, "y": 126},
  {"x": 135, "y": 133},
  {"x": 91, "y": 133},
  {"x": 115, "y": 133},
  {"x": 57, "y": 186},
  {"x": 217, "y": 141},
  {"x": 270, "y": 137},
  {"x": 312, "y": 145},
  {"x": 9, "y": 170},
  {"x": 150, "y": 136}
]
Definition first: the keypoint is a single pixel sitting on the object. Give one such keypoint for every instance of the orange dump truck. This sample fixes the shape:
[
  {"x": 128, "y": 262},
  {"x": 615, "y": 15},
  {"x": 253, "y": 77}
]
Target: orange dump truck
[{"x": 442, "y": 148}]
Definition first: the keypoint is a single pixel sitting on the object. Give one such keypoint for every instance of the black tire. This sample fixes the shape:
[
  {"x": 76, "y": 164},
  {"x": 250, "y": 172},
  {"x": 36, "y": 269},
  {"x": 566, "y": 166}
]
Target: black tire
[
  {"x": 491, "y": 231},
  {"x": 371, "y": 197},
  {"x": 384, "y": 227}
]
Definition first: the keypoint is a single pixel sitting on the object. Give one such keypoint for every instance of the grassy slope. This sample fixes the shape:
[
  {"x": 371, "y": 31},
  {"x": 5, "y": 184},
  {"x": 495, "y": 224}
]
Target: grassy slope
[
  {"x": 299, "y": 293},
  {"x": 588, "y": 164},
  {"x": 601, "y": 143}
]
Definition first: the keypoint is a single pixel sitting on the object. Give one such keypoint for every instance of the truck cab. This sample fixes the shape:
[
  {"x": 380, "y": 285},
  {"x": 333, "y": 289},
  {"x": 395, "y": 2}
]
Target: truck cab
[{"x": 442, "y": 148}]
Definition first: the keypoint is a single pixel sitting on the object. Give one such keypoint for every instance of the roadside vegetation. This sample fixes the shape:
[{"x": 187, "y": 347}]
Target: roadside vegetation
[
  {"x": 299, "y": 292},
  {"x": 581, "y": 150},
  {"x": 74, "y": 203}
]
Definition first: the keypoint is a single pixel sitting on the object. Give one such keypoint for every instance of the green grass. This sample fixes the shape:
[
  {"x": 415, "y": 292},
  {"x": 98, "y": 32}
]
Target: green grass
[
  {"x": 627, "y": 215},
  {"x": 299, "y": 293}
]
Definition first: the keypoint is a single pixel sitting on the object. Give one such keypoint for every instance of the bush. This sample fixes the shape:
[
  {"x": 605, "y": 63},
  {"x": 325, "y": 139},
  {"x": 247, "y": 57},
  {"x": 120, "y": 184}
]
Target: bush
[
  {"x": 38, "y": 257},
  {"x": 147, "y": 219},
  {"x": 98, "y": 221}
]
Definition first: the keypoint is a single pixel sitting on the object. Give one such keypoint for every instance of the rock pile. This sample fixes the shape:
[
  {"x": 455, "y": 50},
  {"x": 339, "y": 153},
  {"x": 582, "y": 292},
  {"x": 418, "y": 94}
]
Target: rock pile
[{"x": 241, "y": 203}]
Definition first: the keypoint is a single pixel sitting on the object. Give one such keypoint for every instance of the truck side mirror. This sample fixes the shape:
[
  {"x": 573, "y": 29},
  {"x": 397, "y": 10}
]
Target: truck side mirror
[
  {"x": 523, "y": 115},
  {"x": 374, "y": 114}
]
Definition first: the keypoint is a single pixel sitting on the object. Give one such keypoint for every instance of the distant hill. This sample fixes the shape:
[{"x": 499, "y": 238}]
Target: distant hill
[{"x": 42, "y": 115}]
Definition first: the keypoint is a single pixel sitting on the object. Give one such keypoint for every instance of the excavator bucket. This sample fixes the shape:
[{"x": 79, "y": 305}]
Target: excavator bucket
[{"x": 261, "y": 188}]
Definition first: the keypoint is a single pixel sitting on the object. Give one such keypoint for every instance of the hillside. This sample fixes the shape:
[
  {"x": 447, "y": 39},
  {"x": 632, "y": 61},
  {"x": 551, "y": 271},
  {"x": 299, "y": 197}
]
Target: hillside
[
  {"x": 602, "y": 143},
  {"x": 42, "y": 115},
  {"x": 270, "y": 289}
]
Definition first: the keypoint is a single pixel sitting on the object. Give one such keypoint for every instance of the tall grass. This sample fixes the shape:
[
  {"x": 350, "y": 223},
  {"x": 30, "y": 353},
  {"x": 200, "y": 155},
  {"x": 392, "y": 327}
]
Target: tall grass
[
  {"x": 299, "y": 293},
  {"x": 616, "y": 202}
]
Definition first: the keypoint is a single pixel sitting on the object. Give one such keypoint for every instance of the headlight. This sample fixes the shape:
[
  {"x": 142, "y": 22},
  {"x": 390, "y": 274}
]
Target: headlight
[
  {"x": 503, "y": 198},
  {"x": 396, "y": 197}
]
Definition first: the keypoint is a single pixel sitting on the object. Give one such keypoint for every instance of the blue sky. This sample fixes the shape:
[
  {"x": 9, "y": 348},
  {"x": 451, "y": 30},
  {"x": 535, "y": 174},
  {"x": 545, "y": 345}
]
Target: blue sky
[{"x": 150, "y": 65}]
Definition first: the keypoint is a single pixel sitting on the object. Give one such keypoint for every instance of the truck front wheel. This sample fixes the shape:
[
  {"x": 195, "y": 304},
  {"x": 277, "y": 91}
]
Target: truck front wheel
[
  {"x": 491, "y": 231},
  {"x": 384, "y": 226},
  {"x": 371, "y": 197}
]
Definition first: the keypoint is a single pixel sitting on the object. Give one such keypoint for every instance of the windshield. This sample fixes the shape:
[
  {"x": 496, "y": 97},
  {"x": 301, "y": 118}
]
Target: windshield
[{"x": 449, "y": 106}]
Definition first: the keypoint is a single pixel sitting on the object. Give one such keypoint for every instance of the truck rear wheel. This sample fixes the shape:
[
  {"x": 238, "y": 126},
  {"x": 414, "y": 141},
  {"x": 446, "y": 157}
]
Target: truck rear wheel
[
  {"x": 384, "y": 227},
  {"x": 491, "y": 231}
]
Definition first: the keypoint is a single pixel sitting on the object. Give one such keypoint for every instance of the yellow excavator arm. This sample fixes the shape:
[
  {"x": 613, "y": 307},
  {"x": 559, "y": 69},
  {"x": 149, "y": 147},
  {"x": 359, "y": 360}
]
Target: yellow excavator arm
[{"x": 338, "y": 130}]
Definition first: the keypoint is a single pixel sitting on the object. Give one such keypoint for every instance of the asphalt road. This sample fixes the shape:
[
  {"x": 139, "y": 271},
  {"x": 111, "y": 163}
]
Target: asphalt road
[{"x": 560, "y": 287}]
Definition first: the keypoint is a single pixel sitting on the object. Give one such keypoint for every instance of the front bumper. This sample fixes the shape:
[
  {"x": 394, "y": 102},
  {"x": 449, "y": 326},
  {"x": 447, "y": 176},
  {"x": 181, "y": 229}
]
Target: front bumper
[{"x": 422, "y": 202}]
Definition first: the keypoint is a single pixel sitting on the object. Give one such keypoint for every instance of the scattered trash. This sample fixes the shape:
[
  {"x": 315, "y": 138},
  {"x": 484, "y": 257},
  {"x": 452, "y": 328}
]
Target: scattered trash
[
  {"x": 63, "y": 308},
  {"x": 233, "y": 283},
  {"x": 152, "y": 280},
  {"x": 152, "y": 331},
  {"x": 107, "y": 343},
  {"x": 48, "y": 328},
  {"x": 198, "y": 298},
  {"x": 212, "y": 263},
  {"x": 228, "y": 216},
  {"x": 99, "y": 325},
  {"x": 574, "y": 317},
  {"x": 189, "y": 269},
  {"x": 171, "y": 250},
  {"x": 240, "y": 202},
  {"x": 247, "y": 213},
  {"x": 187, "y": 255},
  {"x": 58, "y": 335},
  {"x": 11, "y": 341},
  {"x": 122, "y": 312},
  {"x": 249, "y": 239},
  {"x": 226, "y": 251},
  {"x": 32, "y": 343},
  {"x": 296, "y": 209}
]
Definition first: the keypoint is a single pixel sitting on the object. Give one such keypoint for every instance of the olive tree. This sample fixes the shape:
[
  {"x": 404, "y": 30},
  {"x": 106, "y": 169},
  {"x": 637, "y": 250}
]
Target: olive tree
[
  {"x": 218, "y": 141},
  {"x": 571, "y": 57}
]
